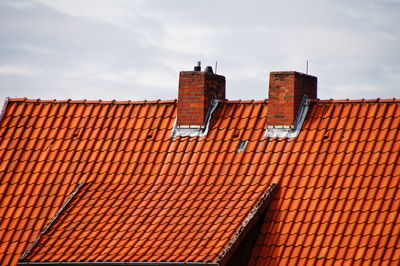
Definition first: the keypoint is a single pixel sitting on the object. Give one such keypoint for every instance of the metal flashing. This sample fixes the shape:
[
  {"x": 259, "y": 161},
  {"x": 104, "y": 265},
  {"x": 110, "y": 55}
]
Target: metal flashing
[
  {"x": 53, "y": 220},
  {"x": 3, "y": 110},
  {"x": 290, "y": 131},
  {"x": 242, "y": 145},
  {"x": 195, "y": 130}
]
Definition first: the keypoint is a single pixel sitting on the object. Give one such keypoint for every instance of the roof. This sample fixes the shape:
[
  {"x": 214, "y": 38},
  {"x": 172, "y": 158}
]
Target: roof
[
  {"x": 338, "y": 201},
  {"x": 145, "y": 196},
  {"x": 48, "y": 148}
]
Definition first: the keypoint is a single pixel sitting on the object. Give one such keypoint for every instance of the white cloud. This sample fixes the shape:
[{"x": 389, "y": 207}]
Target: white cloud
[
  {"x": 191, "y": 40},
  {"x": 17, "y": 4},
  {"x": 392, "y": 75},
  {"x": 34, "y": 49},
  {"x": 26, "y": 71},
  {"x": 157, "y": 77},
  {"x": 117, "y": 12},
  {"x": 126, "y": 49}
]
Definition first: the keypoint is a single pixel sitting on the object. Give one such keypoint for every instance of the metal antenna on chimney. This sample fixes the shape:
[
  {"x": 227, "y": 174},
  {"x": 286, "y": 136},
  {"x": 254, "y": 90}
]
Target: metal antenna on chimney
[
  {"x": 216, "y": 64},
  {"x": 307, "y": 68}
]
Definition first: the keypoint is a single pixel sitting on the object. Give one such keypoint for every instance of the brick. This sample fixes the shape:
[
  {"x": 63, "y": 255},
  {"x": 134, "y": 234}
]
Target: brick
[
  {"x": 196, "y": 90},
  {"x": 286, "y": 91}
]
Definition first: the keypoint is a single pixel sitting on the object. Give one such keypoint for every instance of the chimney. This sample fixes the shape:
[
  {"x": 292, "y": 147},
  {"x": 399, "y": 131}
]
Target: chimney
[
  {"x": 286, "y": 92},
  {"x": 197, "y": 89}
]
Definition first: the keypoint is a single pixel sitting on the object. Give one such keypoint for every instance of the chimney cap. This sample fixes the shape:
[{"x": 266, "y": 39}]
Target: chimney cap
[
  {"x": 208, "y": 69},
  {"x": 290, "y": 73}
]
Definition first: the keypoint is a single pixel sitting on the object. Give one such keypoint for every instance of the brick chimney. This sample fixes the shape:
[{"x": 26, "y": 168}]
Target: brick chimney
[
  {"x": 196, "y": 91},
  {"x": 286, "y": 92}
]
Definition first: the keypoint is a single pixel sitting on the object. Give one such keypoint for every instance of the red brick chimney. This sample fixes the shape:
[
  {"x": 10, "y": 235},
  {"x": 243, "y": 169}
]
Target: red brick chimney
[
  {"x": 196, "y": 91},
  {"x": 286, "y": 92}
]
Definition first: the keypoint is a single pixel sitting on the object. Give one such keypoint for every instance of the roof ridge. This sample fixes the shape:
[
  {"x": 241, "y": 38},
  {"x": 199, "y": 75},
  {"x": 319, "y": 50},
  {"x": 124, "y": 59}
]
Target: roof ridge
[
  {"x": 227, "y": 101},
  {"x": 362, "y": 100},
  {"x": 248, "y": 222},
  {"x": 239, "y": 101},
  {"x": 84, "y": 101}
]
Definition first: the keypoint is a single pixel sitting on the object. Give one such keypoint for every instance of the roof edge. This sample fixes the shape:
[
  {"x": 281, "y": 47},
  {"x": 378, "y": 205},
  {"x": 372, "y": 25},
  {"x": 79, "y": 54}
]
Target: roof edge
[
  {"x": 120, "y": 263},
  {"x": 247, "y": 224}
]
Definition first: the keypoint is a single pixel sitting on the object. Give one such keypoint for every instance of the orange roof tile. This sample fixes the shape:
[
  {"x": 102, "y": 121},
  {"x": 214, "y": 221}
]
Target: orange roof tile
[
  {"x": 340, "y": 204},
  {"x": 147, "y": 197},
  {"x": 49, "y": 147}
]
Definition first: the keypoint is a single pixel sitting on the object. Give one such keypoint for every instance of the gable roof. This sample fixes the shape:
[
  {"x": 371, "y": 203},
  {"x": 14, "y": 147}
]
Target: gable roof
[
  {"x": 149, "y": 197},
  {"x": 125, "y": 146}
]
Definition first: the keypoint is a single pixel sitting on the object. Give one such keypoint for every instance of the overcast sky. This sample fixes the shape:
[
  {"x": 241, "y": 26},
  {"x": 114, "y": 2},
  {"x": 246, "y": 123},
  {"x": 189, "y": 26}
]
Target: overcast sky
[{"x": 134, "y": 49}]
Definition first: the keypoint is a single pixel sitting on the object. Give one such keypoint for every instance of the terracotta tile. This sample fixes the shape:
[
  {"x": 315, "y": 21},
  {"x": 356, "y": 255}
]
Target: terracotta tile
[{"x": 322, "y": 177}]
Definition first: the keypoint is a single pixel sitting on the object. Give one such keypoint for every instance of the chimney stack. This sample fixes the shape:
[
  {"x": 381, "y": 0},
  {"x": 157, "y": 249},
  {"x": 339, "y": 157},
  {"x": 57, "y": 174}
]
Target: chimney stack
[
  {"x": 286, "y": 92},
  {"x": 197, "y": 89}
]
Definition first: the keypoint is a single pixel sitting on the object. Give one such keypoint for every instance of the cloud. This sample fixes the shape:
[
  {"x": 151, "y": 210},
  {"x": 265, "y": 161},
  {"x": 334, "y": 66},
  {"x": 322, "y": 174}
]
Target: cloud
[
  {"x": 18, "y": 70},
  {"x": 124, "y": 49}
]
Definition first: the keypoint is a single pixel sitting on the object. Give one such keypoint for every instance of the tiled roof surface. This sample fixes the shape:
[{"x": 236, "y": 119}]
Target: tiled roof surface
[
  {"x": 339, "y": 196},
  {"x": 193, "y": 193},
  {"x": 148, "y": 197},
  {"x": 39, "y": 156}
]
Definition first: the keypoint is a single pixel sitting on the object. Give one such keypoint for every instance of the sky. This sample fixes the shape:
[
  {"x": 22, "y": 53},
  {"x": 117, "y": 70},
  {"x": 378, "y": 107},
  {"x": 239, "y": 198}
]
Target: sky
[{"x": 134, "y": 49}]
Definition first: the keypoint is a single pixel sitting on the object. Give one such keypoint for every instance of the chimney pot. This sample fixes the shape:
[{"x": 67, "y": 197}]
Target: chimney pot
[
  {"x": 209, "y": 69},
  {"x": 198, "y": 67}
]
